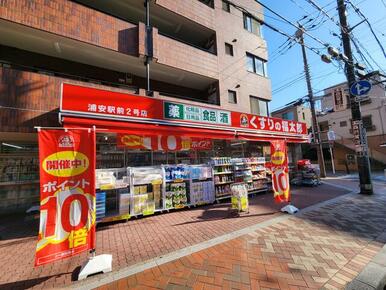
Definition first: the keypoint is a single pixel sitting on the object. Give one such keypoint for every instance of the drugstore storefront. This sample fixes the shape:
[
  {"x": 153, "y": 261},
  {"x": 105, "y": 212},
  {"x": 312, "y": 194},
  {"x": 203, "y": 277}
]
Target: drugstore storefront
[{"x": 155, "y": 155}]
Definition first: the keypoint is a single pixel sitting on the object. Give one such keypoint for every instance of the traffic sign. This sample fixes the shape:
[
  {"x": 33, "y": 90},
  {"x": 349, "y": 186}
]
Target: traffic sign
[
  {"x": 360, "y": 88},
  {"x": 331, "y": 135}
]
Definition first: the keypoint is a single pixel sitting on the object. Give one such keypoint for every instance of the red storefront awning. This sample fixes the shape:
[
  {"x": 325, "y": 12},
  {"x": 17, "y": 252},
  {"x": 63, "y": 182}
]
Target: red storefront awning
[{"x": 145, "y": 129}]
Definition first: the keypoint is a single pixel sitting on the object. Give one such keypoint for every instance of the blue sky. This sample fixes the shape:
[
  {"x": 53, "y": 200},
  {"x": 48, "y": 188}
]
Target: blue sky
[{"x": 288, "y": 68}]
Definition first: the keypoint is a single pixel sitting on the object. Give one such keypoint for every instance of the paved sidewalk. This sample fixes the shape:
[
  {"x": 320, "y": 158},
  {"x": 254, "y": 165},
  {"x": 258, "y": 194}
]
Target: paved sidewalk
[
  {"x": 137, "y": 240},
  {"x": 324, "y": 248}
]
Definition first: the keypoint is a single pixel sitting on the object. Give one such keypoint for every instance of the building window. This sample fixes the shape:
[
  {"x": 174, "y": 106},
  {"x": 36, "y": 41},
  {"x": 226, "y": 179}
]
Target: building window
[
  {"x": 304, "y": 116},
  {"x": 251, "y": 24},
  {"x": 288, "y": 116},
  {"x": 226, "y": 6},
  {"x": 232, "y": 97},
  {"x": 259, "y": 106},
  {"x": 323, "y": 126},
  {"x": 343, "y": 123},
  {"x": 229, "y": 49},
  {"x": 256, "y": 65},
  {"x": 209, "y": 3}
]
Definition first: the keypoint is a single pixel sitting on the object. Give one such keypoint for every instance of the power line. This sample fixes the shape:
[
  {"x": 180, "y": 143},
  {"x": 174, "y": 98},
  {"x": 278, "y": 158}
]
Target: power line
[
  {"x": 292, "y": 24},
  {"x": 355, "y": 41},
  {"x": 312, "y": 2},
  {"x": 359, "y": 12},
  {"x": 293, "y": 38}
]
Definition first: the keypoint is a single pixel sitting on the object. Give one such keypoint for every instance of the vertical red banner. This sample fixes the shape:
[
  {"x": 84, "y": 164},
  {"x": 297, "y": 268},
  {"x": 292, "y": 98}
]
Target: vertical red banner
[
  {"x": 67, "y": 194},
  {"x": 279, "y": 167}
]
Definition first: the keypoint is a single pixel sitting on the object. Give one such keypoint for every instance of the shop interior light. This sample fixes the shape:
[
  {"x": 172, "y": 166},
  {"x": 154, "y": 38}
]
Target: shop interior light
[{"x": 11, "y": 145}]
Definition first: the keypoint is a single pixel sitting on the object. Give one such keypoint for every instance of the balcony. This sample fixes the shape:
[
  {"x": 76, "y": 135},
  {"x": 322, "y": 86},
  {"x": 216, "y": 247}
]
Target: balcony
[
  {"x": 185, "y": 57},
  {"x": 88, "y": 44},
  {"x": 188, "y": 21}
]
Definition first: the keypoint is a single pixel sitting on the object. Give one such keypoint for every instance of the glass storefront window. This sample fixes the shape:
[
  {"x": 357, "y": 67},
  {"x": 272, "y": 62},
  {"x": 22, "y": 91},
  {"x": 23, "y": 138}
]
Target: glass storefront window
[{"x": 19, "y": 162}]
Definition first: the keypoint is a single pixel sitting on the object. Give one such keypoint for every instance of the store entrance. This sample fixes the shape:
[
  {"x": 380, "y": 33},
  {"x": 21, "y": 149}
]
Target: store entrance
[{"x": 136, "y": 176}]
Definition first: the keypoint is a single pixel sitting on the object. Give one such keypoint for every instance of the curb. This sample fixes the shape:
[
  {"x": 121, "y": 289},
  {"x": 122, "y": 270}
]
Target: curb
[
  {"x": 373, "y": 276},
  {"x": 97, "y": 281}
]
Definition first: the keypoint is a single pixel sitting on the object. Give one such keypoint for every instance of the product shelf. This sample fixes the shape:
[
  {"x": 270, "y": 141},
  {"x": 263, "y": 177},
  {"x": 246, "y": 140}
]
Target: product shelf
[
  {"x": 218, "y": 165},
  {"x": 255, "y": 190},
  {"x": 225, "y": 196},
  {"x": 222, "y": 183}
]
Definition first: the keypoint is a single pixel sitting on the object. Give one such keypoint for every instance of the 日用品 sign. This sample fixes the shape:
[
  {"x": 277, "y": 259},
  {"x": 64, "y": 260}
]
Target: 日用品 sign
[{"x": 177, "y": 111}]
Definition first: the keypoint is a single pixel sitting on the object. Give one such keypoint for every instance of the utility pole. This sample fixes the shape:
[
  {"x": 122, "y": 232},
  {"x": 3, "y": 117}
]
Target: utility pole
[
  {"x": 359, "y": 131},
  {"x": 315, "y": 125}
]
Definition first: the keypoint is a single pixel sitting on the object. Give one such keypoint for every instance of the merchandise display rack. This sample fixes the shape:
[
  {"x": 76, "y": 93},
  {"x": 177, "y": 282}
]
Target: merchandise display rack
[
  {"x": 113, "y": 193},
  {"x": 259, "y": 175},
  {"x": 147, "y": 194},
  {"x": 123, "y": 193},
  {"x": 201, "y": 185},
  {"x": 176, "y": 186},
  {"x": 222, "y": 176},
  {"x": 249, "y": 171}
]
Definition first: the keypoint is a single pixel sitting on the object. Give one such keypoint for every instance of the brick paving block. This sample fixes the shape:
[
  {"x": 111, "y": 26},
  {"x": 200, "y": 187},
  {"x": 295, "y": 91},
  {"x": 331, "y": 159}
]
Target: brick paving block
[
  {"x": 205, "y": 279},
  {"x": 305, "y": 237},
  {"x": 269, "y": 284},
  {"x": 177, "y": 281},
  {"x": 337, "y": 284}
]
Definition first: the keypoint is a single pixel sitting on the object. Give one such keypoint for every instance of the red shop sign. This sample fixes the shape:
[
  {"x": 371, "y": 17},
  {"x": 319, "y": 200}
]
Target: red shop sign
[
  {"x": 248, "y": 121},
  {"x": 113, "y": 105}
]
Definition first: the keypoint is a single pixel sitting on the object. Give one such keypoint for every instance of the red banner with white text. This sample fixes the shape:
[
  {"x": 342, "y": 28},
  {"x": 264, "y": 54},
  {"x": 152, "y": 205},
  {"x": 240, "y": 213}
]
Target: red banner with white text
[
  {"x": 279, "y": 168},
  {"x": 67, "y": 194}
]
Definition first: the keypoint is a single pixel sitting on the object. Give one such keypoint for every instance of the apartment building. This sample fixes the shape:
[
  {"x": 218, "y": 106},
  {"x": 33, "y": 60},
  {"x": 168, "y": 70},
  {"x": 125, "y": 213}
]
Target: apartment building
[
  {"x": 297, "y": 113},
  {"x": 336, "y": 117},
  {"x": 202, "y": 52}
]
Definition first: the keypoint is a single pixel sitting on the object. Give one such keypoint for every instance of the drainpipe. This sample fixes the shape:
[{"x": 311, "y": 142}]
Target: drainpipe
[{"x": 148, "y": 48}]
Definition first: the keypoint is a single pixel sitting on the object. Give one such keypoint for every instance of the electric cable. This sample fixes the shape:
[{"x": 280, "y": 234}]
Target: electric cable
[{"x": 360, "y": 13}]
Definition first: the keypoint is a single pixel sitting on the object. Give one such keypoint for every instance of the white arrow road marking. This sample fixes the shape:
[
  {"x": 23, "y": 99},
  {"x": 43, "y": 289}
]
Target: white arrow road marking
[{"x": 252, "y": 122}]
